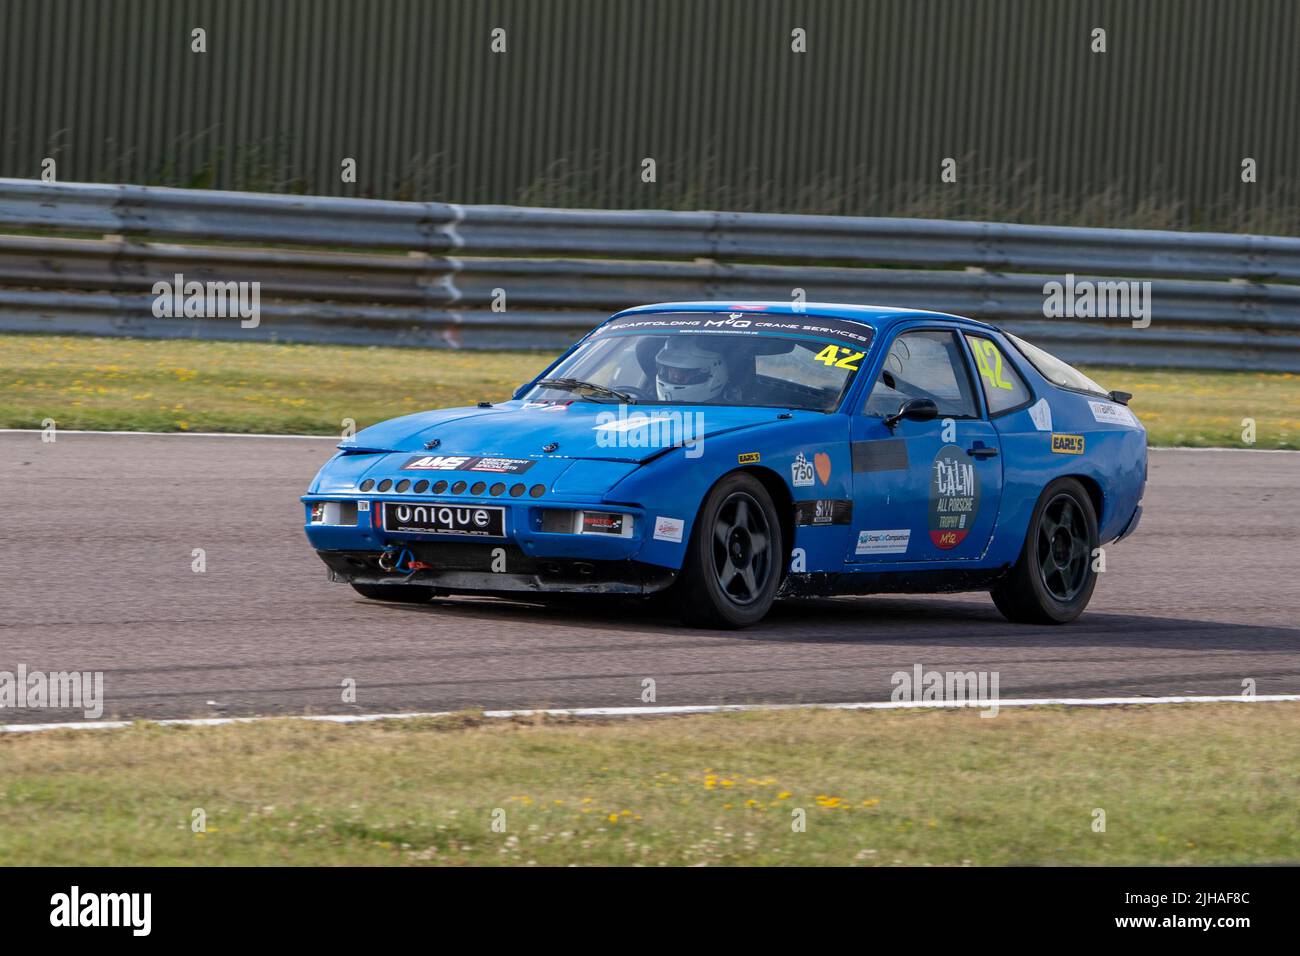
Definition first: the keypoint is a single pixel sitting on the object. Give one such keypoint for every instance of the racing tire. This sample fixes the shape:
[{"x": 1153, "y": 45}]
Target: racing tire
[
  {"x": 733, "y": 565},
  {"x": 401, "y": 593},
  {"x": 1053, "y": 579}
]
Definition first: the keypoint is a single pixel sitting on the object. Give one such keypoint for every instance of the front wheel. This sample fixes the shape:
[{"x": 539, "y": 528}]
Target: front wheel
[
  {"x": 401, "y": 593},
  {"x": 1053, "y": 579},
  {"x": 733, "y": 564}
]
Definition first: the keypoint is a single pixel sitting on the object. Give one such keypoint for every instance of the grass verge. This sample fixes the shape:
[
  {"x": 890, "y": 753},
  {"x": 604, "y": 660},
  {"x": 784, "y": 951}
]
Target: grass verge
[
  {"x": 1196, "y": 784},
  {"x": 191, "y": 385}
]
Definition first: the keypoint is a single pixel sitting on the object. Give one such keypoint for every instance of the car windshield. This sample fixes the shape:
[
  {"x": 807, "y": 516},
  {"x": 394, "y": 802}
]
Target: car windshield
[{"x": 705, "y": 358}]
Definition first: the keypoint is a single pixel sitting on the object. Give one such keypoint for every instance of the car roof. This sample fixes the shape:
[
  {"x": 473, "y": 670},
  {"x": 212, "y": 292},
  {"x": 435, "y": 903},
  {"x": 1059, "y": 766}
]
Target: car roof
[{"x": 879, "y": 316}]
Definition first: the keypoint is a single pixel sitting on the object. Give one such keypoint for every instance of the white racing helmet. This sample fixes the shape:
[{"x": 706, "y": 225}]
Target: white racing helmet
[{"x": 686, "y": 373}]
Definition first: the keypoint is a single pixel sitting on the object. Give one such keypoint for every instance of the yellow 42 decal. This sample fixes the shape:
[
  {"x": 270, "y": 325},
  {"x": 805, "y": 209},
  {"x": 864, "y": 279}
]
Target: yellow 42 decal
[
  {"x": 830, "y": 357},
  {"x": 989, "y": 360}
]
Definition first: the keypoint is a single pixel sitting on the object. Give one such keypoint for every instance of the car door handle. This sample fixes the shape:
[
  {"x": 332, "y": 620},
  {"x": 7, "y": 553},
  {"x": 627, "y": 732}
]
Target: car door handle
[{"x": 980, "y": 450}]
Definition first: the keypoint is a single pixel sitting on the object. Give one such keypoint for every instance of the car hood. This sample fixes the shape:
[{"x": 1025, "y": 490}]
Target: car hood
[{"x": 577, "y": 429}]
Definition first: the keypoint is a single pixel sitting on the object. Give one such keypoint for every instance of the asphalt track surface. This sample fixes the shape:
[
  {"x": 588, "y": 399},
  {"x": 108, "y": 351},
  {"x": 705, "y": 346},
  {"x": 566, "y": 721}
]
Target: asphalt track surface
[{"x": 95, "y": 574}]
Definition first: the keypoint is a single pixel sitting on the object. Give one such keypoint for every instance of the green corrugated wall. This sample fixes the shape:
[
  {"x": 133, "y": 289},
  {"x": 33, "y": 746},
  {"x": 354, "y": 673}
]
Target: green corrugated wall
[{"x": 1152, "y": 132}]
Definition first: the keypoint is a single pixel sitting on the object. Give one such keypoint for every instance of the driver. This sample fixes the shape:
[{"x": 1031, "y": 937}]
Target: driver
[{"x": 686, "y": 373}]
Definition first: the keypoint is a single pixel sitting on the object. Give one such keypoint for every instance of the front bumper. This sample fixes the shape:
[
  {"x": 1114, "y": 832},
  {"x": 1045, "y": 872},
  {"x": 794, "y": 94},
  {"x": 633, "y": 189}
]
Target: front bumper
[
  {"x": 526, "y": 528},
  {"x": 498, "y": 568}
]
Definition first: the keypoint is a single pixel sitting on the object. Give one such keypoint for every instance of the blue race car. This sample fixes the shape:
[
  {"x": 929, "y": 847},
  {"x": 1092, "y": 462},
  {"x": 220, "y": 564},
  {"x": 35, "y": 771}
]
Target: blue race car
[{"x": 740, "y": 453}]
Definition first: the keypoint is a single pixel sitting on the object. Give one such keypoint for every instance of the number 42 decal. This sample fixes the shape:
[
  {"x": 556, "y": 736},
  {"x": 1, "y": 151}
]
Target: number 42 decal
[
  {"x": 989, "y": 360},
  {"x": 830, "y": 356}
]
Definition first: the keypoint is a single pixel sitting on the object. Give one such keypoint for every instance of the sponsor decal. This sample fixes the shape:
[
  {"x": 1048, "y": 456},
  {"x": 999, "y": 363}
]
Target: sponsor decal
[
  {"x": 748, "y": 458},
  {"x": 437, "y": 463},
  {"x": 884, "y": 542},
  {"x": 1109, "y": 414},
  {"x": 801, "y": 472},
  {"x": 602, "y": 522},
  {"x": 1067, "y": 444},
  {"x": 548, "y": 406},
  {"x": 474, "y": 522},
  {"x": 954, "y": 497},
  {"x": 889, "y": 454},
  {"x": 1041, "y": 413},
  {"x": 500, "y": 466},
  {"x": 822, "y": 462},
  {"x": 824, "y": 511},
  {"x": 731, "y": 323},
  {"x": 669, "y": 529}
]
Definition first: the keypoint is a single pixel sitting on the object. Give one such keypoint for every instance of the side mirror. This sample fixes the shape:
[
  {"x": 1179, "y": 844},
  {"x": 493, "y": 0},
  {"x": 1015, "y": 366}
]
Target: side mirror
[{"x": 914, "y": 410}]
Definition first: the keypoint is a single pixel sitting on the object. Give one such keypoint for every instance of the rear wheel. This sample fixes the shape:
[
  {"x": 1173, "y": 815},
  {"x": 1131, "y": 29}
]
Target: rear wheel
[
  {"x": 732, "y": 566},
  {"x": 1053, "y": 579},
  {"x": 401, "y": 593}
]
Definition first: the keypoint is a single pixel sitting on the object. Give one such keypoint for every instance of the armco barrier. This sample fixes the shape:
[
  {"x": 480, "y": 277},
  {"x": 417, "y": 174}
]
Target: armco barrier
[{"x": 84, "y": 258}]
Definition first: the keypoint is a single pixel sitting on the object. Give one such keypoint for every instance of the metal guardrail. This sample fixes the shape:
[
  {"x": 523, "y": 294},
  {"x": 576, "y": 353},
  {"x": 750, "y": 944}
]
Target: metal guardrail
[{"x": 329, "y": 273}]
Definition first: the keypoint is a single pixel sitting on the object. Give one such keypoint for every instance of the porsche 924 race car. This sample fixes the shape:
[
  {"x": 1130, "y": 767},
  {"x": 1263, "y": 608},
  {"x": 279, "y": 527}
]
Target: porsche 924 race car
[{"x": 740, "y": 453}]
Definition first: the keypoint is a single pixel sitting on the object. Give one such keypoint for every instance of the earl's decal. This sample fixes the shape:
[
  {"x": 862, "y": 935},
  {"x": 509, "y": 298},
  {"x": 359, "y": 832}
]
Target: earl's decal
[
  {"x": 748, "y": 458},
  {"x": 1067, "y": 444}
]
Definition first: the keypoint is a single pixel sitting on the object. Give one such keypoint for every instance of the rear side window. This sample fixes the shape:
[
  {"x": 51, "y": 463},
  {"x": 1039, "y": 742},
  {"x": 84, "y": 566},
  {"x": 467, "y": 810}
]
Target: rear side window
[
  {"x": 1003, "y": 387},
  {"x": 1053, "y": 369}
]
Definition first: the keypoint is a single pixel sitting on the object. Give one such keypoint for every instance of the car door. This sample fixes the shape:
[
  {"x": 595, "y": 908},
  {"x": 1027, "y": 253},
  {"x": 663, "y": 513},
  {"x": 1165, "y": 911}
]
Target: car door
[{"x": 924, "y": 491}]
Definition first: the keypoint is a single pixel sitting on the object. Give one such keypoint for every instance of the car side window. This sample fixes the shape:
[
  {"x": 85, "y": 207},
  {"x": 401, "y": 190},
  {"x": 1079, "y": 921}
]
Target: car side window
[
  {"x": 1004, "y": 389},
  {"x": 924, "y": 364}
]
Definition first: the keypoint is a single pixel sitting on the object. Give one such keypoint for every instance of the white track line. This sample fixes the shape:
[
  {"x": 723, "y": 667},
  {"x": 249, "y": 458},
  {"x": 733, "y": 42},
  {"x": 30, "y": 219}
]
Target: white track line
[
  {"x": 1253, "y": 451},
  {"x": 335, "y": 438},
  {"x": 668, "y": 711}
]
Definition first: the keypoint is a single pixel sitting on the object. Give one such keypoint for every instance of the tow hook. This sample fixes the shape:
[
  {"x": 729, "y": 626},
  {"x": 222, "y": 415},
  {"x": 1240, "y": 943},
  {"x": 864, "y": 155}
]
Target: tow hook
[{"x": 394, "y": 561}]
